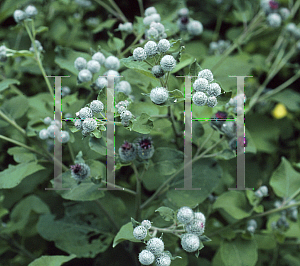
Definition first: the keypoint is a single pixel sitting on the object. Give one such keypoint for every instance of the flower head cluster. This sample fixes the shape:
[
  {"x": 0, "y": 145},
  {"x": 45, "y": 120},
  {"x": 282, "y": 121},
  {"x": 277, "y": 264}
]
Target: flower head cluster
[
  {"x": 151, "y": 15},
  {"x": 80, "y": 171},
  {"x": 219, "y": 47},
  {"x": 38, "y": 46},
  {"x": 275, "y": 15},
  {"x": 233, "y": 102},
  {"x": 206, "y": 92},
  {"x": 185, "y": 23},
  {"x": 145, "y": 148},
  {"x": 126, "y": 27},
  {"x": 52, "y": 130},
  {"x": 29, "y": 12},
  {"x": 194, "y": 223}
]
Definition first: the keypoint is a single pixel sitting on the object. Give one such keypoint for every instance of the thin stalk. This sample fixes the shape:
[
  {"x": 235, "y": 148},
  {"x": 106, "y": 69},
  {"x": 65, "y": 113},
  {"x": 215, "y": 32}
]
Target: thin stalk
[
  {"x": 130, "y": 46},
  {"x": 116, "y": 7},
  {"x": 71, "y": 151},
  {"x": 129, "y": 191},
  {"x": 141, "y": 7},
  {"x": 13, "y": 123},
  {"x": 148, "y": 63},
  {"x": 108, "y": 8},
  {"x": 218, "y": 27}
]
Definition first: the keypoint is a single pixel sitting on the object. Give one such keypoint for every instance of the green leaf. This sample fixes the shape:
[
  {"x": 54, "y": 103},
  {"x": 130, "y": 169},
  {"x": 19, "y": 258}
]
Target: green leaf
[
  {"x": 175, "y": 45},
  {"x": 166, "y": 213},
  {"x": 65, "y": 58},
  {"x": 194, "y": 69},
  {"x": 14, "y": 174},
  {"x": 143, "y": 124},
  {"x": 285, "y": 181},
  {"x": 234, "y": 203},
  {"x": 185, "y": 60},
  {"x": 206, "y": 175},
  {"x": 21, "y": 155},
  {"x": 51, "y": 260},
  {"x": 107, "y": 24},
  {"x": 16, "y": 107},
  {"x": 125, "y": 233},
  {"x": 265, "y": 241},
  {"x": 288, "y": 97},
  {"x": 41, "y": 29},
  {"x": 23, "y": 217},
  {"x": 138, "y": 66},
  {"x": 239, "y": 252},
  {"x": 98, "y": 145},
  {"x": 4, "y": 84},
  {"x": 116, "y": 43}
]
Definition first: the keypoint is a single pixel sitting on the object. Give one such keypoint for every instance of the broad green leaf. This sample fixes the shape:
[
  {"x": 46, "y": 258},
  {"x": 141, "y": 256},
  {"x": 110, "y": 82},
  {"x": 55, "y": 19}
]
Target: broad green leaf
[
  {"x": 239, "y": 252},
  {"x": 194, "y": 69},
  {"x": 65, "y": 58},
  {"x": 206, "y": 175},
  {"x": 15, "y": 107},
  {"x": 98, "y": 145},
  {"x": 138, "y": 66},
  {"x": 234, "y": 203},
  {"x": 265, "y": 241},
  {"x": 288, "y": 97},
  {"x": 4, "y": 84},
  {"x": 3, "y": 211},
  {"x": 107, "y": 24},
  {"x": 21, "y": 155},
  {"x": 166, "y": 213},
  {"x": 23, "y": 217},
  {"x": 175, "y": 45},
  {"x": 14, "y": 174},
  {"x": 143, "y": 124},
  {"x": 125, "y": 233},
  {"x": 51, "y": 260},
  {"x": 285, "y": 181}
]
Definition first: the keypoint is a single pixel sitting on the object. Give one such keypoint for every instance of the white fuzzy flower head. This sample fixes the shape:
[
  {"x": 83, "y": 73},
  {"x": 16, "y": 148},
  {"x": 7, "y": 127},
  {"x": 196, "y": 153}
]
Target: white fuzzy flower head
[
  {"x": 139, "y": 54},
  {"x": 126, "y": 115},
  {"x": 152, "y": 18},
  {"x": 206, "y": 74},
  {"x": 212, "y": 101},
  {"x": 140, "y": 232},
  {"x": 183, "y": 12},
  {"x": 195, "y": 27},
  {"x": 99, "y": 57},
  {"x": 185, "y": 215},
  {"x": 264, "y": 190},
  {"x": 157, "y": 71},
  {"x": 163, "y": 260},
  {"x": 201, "y": 84},
  {"x": 126, "y": 27},
  {"x": 85, "y": 112},
  {"x": 93, "y": 66},
  {"x": 150, "y": 10},
  {"x": 65, "y": 90},
  {"x": 274, "y": 20},
  {"x": 152, "y": 33},
  {"x": 101, "y": 83},
  {"x": 146, "y": 224},
  {"x": 65, "y": 136},
  {"x": 38, "y": 46},
  {"x": 47, "y": 120},
  {"x": 190, "y": 242},
  {"x": 114, "y": 74},
  {"x": 80, "y": 63},
  {"x": 168, "y": 63},
  {"x": 85, "y": 75},
  {"x": 30, "y": 11},
  {"x": 199, "y": 98},
  {"x": 19, "y": 15},
  {"x": 150, "y": 48},
  {"x": 155, "y": 246},
  {"x": 146, "y": 257},
  {"x": 96, "y": 106},
  {"x": 123, "y": 86},
  {"x": 112, "y": 62},
  {"x": 51, "y": 131},
  {"x": 80, "y": 171},
  {"x": 89, "y": 124},
  {"x": 252, "y": 223},
  {"x": 195, "y": 227},
  {"x": 159, "y": 95},
  {"x": 155, "y": 17},
  {"x": 122, "y": 104},
  {"x": 43, "y": 134},
  {"x": 158, "y": 26},
  {"x": 163, "y": 45},
  {"x": 200, "y": 216},
  {"x": 78, "y": 124},
  {"x": 284, "y": 13},
  {"x": 214, "y": 89},
  {"x": 251, "y": 229}
]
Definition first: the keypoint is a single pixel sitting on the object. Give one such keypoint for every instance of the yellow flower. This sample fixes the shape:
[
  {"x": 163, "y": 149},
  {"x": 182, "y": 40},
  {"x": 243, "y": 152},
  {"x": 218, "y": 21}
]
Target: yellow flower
[{"x": 279, "y": 111}]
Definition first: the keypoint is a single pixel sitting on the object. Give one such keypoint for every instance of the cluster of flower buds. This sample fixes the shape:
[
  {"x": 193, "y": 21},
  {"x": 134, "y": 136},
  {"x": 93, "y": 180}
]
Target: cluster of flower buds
[
  {"x": 194, "y": 224},
  {"x": 52, "y": 129},
  {"x": 205, "y": 91},
  {"x": 275, "y": 15},
  {"x": 125, "y": 114},
  {"x": 185, "y": 23},
  {"x": 126, "y": 27},
  {"x": 29, "y": 12},
  {"x": 219, "y": 47},
  {"x": 291, "y": 213},
  {"x": 233, "y": 103}
]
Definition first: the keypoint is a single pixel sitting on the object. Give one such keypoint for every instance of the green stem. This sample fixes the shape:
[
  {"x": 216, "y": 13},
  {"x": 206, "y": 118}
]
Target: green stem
[
  {"x": 13, "y": 123},
  {"x": 148, "y": 63},
  {"x": 141, "y": 6},
  {"x": 121, "y": 188},
  {"x": 116, "y": 7},
  {"x": 38, "y": 58},
  {"x": 108, "y": 8},
  {"x": 167, "y": 78},
  {"x": 218, "y": 27},
  {"x": 156, "y": 193},
  {"x": 71, "y": 151},
  {"x": 130, "y": 46}
]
